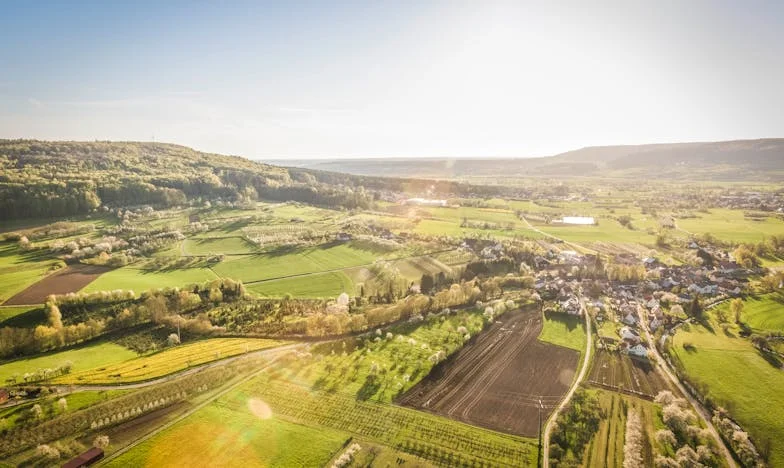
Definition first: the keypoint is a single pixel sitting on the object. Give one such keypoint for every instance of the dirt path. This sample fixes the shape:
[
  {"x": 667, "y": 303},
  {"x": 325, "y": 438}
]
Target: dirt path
[
  {"x": 549, "y": 426},
  {"x": 701, "y": 411}
]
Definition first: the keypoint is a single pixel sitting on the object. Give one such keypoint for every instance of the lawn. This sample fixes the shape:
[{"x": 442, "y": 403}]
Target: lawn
[
  {"x": 217, "y": 245},
  {"x": 382, "y": 367},
  {"x": 317, "y": 285},
  {"x": 167, "y": 361},
  {"x": 564, "y": 330},
  {"x": 136, "y": 279},
  {"x": 738, "y": 378},
  {"x": 223, "y": 435},
  {"x": 608, "y": 230},
  {"x": 81, "y": 358},
  {"x": 294, "y": 262}
]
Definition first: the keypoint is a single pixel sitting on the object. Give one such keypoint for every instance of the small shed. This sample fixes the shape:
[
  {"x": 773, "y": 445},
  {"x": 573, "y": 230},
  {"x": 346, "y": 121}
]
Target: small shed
[{"x": 85, "y": 459}]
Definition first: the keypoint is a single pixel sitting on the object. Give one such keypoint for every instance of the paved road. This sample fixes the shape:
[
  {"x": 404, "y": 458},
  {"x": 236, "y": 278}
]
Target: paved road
[
  {"x": 586, "y": 360},
  {"x": 665, "y": 368}
]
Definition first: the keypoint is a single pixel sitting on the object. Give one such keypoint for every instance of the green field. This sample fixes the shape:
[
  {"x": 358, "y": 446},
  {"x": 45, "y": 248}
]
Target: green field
[
  {"x": 9, "y": 312},
  {"x": 564, "y": 330},
  {"x": 764, "y": 313},
  {"x": 136, "y": 279},
  {"x": 82, "y": 358},
  {"x": 217, "y": 245},
  {"x": 294, "y": 262},
  {"x": 315, "y": 285},
  {"x": 167, "y": 361},
  {"x": 442, "y": 441},
  {"x": 732, "y": 226},
  {"x": 728, "y": 365},
  {"x": 228, "y": 433},
  {"x": 18, "y": 269},
  {"x": 74, "y": 401}
]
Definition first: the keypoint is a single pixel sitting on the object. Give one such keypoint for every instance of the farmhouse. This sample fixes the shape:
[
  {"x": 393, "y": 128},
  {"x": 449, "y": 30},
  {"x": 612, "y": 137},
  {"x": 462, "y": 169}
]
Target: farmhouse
[
  {"x": 579, "y": 220},
  {"x": 629, "y": 335}
]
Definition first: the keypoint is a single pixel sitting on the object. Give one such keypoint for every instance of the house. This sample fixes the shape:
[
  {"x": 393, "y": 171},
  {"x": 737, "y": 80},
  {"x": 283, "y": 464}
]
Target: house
[
  {"x": 630, "y": 319},
  {"x": 86, "y": 459},
  {"x": 637, "y": 350},
  {"x": 629, "y": 335},
  {"x": 571, "y": 306},
  {"x": 655, "y": 324}
]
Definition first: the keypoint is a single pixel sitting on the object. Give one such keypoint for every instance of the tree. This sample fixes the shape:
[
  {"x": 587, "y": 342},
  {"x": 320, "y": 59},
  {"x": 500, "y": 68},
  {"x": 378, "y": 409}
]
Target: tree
[
  {"x": 102, "y": 441},
  {"x": 62, "y": 404},
  {"x": 677, "y": 310},
  {"x": 173, "y": 340},
  {"x": 721, "y": 315},
  {"x": 736, "y": 307},
  {"x": 426, "y": 284},
  {"x": 632, "y": 448},
  {"x": 695, "y": 308},
  {"x": 55, "y": 317}
]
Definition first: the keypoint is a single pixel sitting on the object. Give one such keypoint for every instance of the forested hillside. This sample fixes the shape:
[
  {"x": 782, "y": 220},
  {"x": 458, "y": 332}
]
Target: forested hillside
[{"x": 48, "y": 179}]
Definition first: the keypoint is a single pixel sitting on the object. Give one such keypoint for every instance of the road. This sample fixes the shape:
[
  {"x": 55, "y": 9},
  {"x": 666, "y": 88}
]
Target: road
[
  {"x": 576, "y": 384},
  {"x": 665, "y": 368}
]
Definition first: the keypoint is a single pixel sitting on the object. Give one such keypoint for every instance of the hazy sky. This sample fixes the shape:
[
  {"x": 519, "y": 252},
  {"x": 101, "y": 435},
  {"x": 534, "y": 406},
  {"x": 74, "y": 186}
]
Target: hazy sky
[{"x": 404, "y": 78}]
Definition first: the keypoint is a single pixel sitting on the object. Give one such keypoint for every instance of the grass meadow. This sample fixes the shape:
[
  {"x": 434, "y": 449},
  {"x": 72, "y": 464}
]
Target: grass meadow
[
  {"x": 82, "y": 358},
  {"x": 138, "y": 280},
  {"x": 727, "y": 364}
]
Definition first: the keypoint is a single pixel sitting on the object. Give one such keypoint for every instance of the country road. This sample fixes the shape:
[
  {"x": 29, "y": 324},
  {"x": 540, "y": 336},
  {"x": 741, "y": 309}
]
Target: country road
[
  {"x": 665, "y": 368},
  {"x": 583, "y": 369}
]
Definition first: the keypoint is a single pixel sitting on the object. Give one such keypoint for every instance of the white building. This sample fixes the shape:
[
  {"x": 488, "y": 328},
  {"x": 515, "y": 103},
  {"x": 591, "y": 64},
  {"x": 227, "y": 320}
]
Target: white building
[{"x": 581, "y": 220}]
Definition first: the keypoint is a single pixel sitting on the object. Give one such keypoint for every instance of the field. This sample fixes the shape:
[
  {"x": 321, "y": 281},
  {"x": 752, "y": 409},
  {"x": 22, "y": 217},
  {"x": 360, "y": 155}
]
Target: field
[
  {"x": 316, "y": 285},
  {"x": 217, "y": 245},
  {"x": 739, "y": 378},
  {"x": 436, "y": 439},
  {"x": 624, "y": 374},
  {"x": 605, "y": 450},
  {"x": 236, "y": 430},
  {"x": 81, "y": 358},
  {"x": 69, "y": 279},
  {"x": 564, "y": 330},
  {"x": 9, "y": 312},
  {"x": 498, "y": 380},
  {"x": 765, "y": 313},
  {"x": 732, "y": 226},
  {"x": 167, "y": 361},
  {"x": 19, "y": 269},
  {"x": 136, "y": 279},
  {"x": 295, "y": 262},
  {"x": 381, "y": 368}
]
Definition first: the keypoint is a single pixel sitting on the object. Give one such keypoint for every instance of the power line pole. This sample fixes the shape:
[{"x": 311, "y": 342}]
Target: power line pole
[{"x": 539, "y": 457}]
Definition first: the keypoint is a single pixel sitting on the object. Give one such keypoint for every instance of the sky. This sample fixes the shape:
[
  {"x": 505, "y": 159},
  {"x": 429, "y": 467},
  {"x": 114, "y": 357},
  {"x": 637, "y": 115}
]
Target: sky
[{"x": 286, "y": 80}]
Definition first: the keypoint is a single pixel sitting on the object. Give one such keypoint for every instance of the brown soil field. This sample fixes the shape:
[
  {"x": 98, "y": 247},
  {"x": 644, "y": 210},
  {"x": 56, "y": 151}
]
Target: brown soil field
[
  {"x": 619, "y": 372},
  {"x": 498, "y": 380},
  {"x": 69, "y": 279}
]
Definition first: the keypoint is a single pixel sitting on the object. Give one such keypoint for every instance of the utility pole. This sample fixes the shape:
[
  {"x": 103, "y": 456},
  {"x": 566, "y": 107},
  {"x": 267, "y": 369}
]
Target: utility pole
[{"x": 539, "y": 457}]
